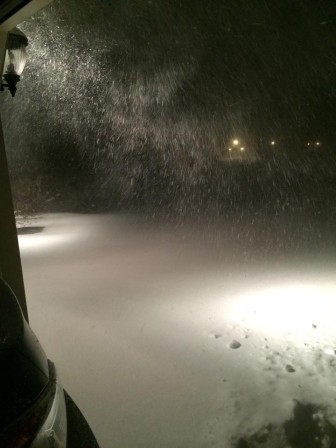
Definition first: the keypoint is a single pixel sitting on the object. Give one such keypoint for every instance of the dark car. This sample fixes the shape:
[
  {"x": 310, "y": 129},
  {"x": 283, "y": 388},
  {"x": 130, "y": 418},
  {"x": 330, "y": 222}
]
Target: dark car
[{"x": 35, "y": 411}]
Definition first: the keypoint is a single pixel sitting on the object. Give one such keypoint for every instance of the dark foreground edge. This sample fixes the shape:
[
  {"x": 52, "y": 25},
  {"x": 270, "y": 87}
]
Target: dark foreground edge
[{"x": 79, "y": 432}]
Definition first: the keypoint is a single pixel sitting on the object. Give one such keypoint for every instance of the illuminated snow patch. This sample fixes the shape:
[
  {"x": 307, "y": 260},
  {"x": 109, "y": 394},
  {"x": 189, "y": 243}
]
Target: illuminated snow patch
[
  {"x": 294, "y": 309},
  {"x": 42, "y": 242}
]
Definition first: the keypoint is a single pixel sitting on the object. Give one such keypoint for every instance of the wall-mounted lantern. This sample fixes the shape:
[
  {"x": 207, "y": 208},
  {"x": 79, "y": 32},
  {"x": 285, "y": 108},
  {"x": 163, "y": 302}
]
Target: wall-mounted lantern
[{"x": 15, "y": 60}]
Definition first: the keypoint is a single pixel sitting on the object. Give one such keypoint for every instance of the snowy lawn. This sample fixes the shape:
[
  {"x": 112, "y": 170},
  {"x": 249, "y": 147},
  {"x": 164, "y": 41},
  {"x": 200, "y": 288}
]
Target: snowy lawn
[{"x": 180, "y": 337}]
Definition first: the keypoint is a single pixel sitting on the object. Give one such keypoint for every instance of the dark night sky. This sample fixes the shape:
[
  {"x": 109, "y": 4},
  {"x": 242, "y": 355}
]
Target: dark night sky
[
  {"x": 106, "y": 81},
  {"x": 265, "y": 63}
]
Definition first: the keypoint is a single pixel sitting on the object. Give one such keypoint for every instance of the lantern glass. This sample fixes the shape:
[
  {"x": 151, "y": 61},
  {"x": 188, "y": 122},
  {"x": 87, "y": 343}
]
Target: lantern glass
[{"x": 15, "y": 60}]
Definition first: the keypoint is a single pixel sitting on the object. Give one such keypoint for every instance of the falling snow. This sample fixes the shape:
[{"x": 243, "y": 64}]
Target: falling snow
[
  {"x": 200, "y": 307},
  {"x": 140, "y": 102}
]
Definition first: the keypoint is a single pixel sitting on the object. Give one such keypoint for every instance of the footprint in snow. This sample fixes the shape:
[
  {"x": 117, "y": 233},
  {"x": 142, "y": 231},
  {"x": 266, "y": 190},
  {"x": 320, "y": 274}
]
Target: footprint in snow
[{"x": 235, "y": 344}]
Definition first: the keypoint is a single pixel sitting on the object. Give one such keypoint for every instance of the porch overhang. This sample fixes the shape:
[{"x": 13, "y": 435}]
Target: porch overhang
[{"x": 13, "y": 12}]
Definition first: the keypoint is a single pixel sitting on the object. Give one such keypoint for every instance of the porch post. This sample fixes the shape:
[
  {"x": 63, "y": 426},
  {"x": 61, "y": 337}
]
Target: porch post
[{"x": 10, "y": 261}]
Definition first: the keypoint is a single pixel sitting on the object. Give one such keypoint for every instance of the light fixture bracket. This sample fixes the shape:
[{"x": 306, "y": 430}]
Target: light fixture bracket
[{"x": 11, "y": 80}]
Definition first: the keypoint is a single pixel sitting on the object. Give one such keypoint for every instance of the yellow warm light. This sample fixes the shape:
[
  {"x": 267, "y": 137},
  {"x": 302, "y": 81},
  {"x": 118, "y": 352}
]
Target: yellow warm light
[
  {"x": 242, "y": 148},
  {"x": 230, "y": 149},
  {"x": 272, "y": 142},
  {"x": 235, "y": 142}
]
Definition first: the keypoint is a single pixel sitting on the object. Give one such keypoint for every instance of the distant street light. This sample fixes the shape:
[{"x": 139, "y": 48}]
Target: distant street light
[
  {"x": 272, "y": 142},
  {"x": 242, "y": 148},
  {"x": 235, "y": 142},
  {"x": 15, "y": 60}
]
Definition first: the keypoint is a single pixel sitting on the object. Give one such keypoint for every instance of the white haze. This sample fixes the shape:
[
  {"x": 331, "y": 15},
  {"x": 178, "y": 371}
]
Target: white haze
[{"x": 139, "y": 318}]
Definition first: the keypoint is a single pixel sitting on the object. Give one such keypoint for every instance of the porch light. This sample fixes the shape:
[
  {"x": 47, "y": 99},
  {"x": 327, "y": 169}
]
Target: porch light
[{"x": 15, "y": 60}]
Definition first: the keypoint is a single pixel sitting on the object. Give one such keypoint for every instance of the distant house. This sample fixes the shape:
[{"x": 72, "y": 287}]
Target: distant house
[{"x": 238, "y": 150}]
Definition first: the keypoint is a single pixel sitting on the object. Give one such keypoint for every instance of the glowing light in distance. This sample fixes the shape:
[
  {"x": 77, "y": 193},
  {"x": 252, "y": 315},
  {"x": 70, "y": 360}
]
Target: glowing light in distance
[
  {"x": 242, "y": 148},
  {"x": 235, "y": 142},
  {"x": 317, "y": 143},
  {"x": 308, "y": 144},
  {"x": 230, "y": 149},
  {"x": 272, "y": 142}
]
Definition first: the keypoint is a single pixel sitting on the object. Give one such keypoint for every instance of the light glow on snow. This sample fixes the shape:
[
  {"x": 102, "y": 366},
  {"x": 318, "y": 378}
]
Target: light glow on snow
[
  {"x": 42, "y": 242},
  {"x": 295, "y": 308}
]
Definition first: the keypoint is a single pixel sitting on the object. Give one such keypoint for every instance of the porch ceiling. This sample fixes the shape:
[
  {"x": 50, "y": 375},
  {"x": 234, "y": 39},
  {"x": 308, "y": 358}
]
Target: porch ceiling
[{"x": 9, "y": 7}]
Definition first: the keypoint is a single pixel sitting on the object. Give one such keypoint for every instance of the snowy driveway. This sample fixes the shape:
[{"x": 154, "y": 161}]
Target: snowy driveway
[{"x": 177, "y": 337}]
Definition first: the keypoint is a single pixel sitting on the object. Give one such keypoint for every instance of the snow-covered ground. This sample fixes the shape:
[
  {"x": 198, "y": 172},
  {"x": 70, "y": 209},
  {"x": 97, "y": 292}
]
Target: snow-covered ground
[{"x": 175, "y": 337}]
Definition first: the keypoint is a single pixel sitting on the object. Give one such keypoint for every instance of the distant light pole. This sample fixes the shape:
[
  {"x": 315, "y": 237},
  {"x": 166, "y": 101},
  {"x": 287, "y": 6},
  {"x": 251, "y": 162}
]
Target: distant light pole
[{"x": 15, "y": 60}]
